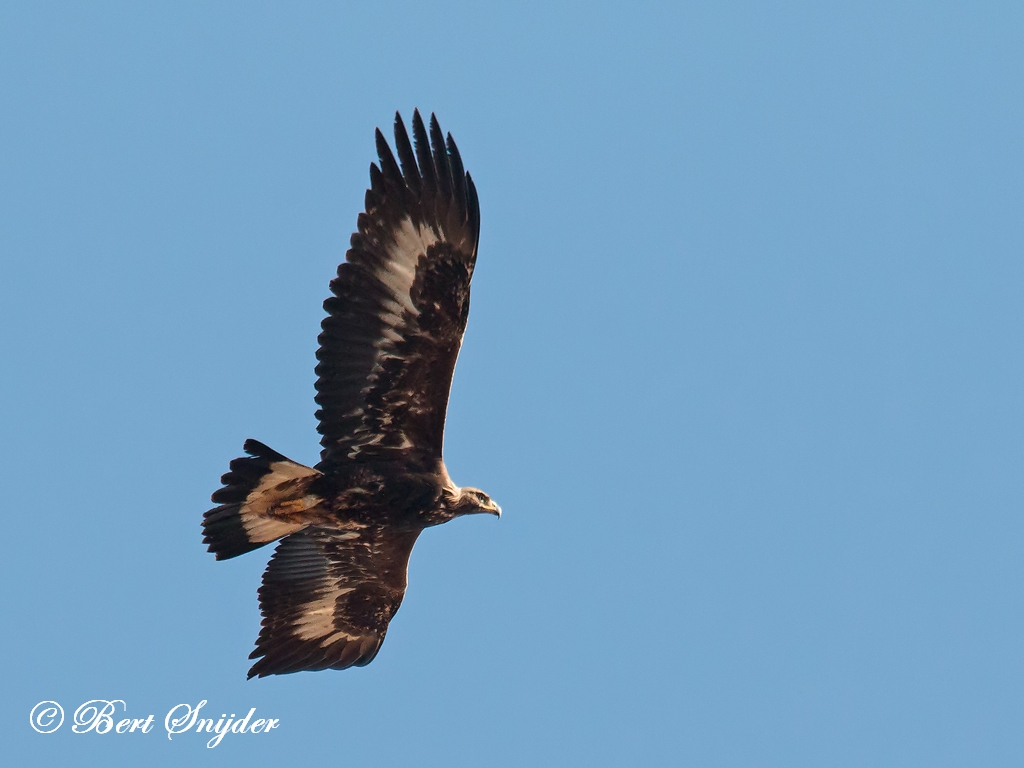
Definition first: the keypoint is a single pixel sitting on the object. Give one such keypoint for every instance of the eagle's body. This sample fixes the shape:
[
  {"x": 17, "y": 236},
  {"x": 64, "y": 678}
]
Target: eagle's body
[{"x": 387, "y": 354}]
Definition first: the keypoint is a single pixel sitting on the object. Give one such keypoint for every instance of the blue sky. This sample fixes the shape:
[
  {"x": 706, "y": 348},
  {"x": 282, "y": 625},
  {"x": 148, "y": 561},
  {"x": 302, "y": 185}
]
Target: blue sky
[{"x": 743, "y": 370}]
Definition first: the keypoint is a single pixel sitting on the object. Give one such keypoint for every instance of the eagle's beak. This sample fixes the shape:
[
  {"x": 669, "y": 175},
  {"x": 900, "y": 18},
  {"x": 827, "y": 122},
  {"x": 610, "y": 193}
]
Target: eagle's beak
[{"x": 497, "y": 511}]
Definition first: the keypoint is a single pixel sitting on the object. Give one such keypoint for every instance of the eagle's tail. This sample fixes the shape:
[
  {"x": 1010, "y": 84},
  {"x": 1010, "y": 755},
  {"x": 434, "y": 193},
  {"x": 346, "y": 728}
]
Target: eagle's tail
[{"x": 265, "y": 496}]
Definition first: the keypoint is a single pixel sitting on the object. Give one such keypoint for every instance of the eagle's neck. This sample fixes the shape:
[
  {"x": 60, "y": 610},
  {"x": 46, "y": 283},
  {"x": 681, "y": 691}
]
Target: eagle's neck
[{"x": 456, "y": 501}]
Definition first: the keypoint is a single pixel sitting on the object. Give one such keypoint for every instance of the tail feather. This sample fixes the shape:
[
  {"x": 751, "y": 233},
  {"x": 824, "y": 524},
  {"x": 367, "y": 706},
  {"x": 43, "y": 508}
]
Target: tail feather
[{"x": 265, "y": 496}]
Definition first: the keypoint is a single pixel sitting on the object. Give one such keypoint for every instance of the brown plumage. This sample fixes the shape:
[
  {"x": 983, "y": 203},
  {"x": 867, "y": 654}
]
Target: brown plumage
[{"x": 388, "y": 348}]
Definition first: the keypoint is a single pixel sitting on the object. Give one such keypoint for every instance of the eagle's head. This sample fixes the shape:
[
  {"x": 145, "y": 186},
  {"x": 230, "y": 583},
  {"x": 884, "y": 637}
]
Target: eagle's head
[{"x": 473, "y": 501}]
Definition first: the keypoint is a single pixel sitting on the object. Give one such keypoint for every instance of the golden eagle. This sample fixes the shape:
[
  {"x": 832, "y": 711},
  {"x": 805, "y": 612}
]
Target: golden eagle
[{"x": 387, "y": 353}]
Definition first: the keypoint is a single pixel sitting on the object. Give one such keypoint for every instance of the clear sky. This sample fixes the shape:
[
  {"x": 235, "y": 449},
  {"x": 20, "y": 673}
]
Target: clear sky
[{"x": 743, "y": 369}]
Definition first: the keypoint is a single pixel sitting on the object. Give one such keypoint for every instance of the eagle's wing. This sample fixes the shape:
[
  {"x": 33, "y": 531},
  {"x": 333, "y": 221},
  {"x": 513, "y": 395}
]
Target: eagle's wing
[
  {"x": 400, "y": 304},
  {"x": 328, "y": 596}
]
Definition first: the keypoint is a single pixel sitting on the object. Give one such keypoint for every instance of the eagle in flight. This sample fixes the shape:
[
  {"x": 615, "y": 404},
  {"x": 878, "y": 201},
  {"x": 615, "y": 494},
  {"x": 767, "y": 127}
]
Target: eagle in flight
[{"x": 387, "y": 353}]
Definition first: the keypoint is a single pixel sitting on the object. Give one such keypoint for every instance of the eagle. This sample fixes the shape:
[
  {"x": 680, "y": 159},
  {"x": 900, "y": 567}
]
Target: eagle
[{"x": 388, "y": 345}]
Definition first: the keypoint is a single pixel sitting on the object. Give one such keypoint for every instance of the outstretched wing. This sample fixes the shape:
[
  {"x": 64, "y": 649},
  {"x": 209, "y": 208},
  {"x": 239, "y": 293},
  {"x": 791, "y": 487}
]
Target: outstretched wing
[
  {"x": 328, "y": 596},
  {"x": 401, "y": 300}
]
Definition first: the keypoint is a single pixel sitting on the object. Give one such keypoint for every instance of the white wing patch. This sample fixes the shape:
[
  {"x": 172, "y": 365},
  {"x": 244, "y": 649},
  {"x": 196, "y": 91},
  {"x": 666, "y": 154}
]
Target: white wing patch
[
  {"x": 398, "y": 273},
  {"x": 317, "y": 619}
]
